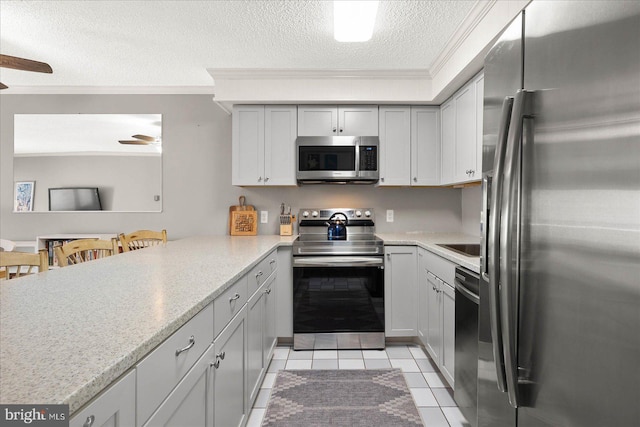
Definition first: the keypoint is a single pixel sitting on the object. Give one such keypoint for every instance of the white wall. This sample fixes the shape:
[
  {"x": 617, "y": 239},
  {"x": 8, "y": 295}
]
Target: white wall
[
  {"x": 471, "y": 209},
  {"x": 197, "y": 188}
]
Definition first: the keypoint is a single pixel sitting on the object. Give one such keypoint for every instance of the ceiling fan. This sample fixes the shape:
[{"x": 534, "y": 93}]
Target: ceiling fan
[
  {"x": 140, "y": 140},
  {"x": 24, "y": 65}
]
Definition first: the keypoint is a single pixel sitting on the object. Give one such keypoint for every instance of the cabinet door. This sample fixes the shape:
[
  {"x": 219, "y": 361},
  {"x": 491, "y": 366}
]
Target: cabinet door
[
  {"x": 425, "y": 146},
  {"x": 423, "y": 300},
  {"x": 255, "y": 331},
  {"x": 187, "y": 405},
  {"x": 270, "y": 290},
  {"x": 284, "y": 293},
  {"x": 448, "y": 298},
  {"x": 229, "y": 377},
  {"x": 479, "y": 84},
  {"x": 281, "y": 127},
  {"x": 317, "y": 120},
  {"x": 115, "y": 407},
  {"x": 400, "y": 291},
  {"x": 447, "y": 141},
  {"x": 358, "y": 120},
  {"x": 395, "y": 146},
  {"x": 434, "y": 332},
  {"x": 466, "y": 136},
  {"x": 247, "y": 145}
]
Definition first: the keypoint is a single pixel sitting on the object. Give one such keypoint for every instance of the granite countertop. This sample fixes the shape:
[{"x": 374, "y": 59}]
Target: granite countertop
[
  {"x": 429, "y": 241},
  {"x": 67, "y": 334}
]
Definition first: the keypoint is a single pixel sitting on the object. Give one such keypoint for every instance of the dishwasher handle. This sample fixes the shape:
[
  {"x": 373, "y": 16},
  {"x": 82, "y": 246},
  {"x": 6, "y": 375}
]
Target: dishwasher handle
[{"x": 464, "y": 291}]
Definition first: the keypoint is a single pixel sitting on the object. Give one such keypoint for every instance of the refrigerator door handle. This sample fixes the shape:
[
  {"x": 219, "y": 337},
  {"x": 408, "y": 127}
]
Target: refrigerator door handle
[
  {"x": 509, "y": 228},
  {"x": 492, "y": 232}
]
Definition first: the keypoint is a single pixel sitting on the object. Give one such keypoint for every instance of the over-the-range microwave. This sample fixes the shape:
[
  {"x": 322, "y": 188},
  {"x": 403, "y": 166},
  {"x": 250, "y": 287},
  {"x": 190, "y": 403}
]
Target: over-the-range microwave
[{"x": 337, "y": 159}]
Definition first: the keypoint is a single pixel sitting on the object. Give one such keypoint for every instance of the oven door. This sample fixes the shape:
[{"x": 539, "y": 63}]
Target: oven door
[{"x": 338, "y": 302}]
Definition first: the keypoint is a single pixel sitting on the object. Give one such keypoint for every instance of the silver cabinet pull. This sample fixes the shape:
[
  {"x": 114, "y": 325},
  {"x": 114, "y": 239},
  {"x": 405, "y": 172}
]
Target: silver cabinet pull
[
  {"x": 192, "y": 342},
  {"x": 235, "y": 297},
  {"x": 341, "y": 129},
  {"x": 272, "y": 262},
  {"x": 216, "y": 364},
  {"x": 382, "y": 179},
  {"x": 267, "y": 291},
  {"x": 334, "y": 130},
  {"x": 260, "y": 273},
  {"x": 89, "y": 422},
  {"x": 259, "y": 179},
  {"x": 221, "y": 355},
  {"x": 415, "y": 179},
  {"x": 266, "y": 178}
]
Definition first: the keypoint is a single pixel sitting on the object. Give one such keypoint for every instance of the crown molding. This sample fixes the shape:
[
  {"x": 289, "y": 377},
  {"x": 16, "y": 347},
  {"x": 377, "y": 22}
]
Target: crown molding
[
  {"x": 475, "y": 16},
  {"x": 274, "y": 73},
  {"x": 109, "y": 90}
]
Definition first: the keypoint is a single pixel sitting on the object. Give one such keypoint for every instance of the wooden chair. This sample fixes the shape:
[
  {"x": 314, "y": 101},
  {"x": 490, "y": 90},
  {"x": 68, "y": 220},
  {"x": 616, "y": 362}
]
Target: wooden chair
[
  {"x": 84, "y": 250},
  {"x": 142, "y": 239},
  {"x": 20, "y": 260}
]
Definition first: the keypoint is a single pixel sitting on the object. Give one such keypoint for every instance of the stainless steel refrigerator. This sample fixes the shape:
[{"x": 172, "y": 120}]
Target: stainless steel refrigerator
[{"x": 560, "y": 269}]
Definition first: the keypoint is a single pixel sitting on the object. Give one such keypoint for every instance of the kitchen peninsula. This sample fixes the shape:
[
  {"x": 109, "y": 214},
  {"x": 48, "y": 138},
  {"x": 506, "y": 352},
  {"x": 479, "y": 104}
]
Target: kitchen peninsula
[{"x": 67, "y": 334}]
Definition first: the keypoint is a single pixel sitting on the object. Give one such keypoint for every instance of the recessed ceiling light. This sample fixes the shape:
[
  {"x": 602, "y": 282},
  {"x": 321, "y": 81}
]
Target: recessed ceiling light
[{"x": 353, "y": 20}]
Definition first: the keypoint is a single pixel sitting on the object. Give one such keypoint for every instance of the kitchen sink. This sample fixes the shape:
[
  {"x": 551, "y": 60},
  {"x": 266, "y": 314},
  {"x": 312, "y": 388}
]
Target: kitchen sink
[{"x": 470, "y": 249}]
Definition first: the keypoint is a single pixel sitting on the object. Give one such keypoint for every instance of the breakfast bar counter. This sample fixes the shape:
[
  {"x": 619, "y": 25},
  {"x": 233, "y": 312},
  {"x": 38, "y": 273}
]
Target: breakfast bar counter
[{"x": 68, "y": 333}]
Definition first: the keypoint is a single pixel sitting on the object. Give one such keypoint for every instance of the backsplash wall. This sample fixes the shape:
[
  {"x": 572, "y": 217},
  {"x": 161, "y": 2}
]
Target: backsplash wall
[{"x": 197, "y": 190}]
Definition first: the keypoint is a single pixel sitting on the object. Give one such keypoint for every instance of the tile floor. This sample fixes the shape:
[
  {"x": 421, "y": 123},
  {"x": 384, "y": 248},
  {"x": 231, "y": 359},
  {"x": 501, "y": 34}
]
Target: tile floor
[{"x": 429, "y": 389}]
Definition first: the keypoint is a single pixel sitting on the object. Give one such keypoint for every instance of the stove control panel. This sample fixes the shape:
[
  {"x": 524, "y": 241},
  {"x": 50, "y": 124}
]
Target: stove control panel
[{"x": 325, "y": 214}]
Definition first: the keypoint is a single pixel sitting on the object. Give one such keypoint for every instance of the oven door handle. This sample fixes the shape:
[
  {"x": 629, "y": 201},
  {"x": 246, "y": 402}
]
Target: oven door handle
[{"x": 338, "y": 261}]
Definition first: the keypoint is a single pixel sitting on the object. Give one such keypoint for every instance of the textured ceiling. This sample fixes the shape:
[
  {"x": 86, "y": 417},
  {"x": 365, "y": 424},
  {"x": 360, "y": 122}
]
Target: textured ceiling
[{"x": 172, "y": 43}]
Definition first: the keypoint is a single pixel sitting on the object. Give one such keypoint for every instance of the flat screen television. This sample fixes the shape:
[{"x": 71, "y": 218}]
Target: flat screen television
[{"x": 74, "y": 199}]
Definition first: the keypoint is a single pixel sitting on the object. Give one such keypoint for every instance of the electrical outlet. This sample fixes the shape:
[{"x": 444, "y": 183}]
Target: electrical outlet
[
  {"x": 389, "y": 215},
  {"x": 264, "y": 217}
]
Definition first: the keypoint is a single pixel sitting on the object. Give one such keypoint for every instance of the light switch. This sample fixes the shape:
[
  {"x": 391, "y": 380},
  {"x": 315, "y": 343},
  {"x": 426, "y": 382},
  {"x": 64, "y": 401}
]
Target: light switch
[
  {"x": 264, "y": 217},
  {"x": 389, "y": 215}
]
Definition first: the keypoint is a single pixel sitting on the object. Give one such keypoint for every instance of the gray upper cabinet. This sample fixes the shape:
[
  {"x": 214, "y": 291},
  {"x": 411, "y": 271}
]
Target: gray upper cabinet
[
  {"x": 333, "y": 120},
  {"x": 409, "y": 145},
  {"x": 395, "y": 145},
  {"x": 461, "y": 134},
  {"x": 263, "y": 144},
  {"x": 425, "y": 146}
]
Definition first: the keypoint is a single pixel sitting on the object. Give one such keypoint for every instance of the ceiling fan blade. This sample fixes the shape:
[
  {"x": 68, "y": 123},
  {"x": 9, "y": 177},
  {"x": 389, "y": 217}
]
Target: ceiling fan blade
[
  {"x": 24, "y": 64},
  {"x": 145, "y": 138},
  {"x": 134, "y": 142},
  {"x": 3, "y": 86}
]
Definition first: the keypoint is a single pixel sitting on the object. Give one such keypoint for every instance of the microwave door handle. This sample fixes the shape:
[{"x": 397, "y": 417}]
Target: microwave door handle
[
  {"x": 491, "y": 274},
  {"x": 356, "y": 167}
]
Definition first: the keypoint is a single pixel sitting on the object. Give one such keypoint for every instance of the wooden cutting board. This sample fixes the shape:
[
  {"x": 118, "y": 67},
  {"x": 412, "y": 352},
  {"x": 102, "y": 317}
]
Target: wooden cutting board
[{"x": 243, "y": 219}]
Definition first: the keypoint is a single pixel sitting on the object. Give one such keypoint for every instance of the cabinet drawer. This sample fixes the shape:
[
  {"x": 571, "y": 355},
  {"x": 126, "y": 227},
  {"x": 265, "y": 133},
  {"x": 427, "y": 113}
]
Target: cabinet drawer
[
  {"x": 444, "y": 269},
  {"x": 116, "y": 406},
  {"x": 261, "y": 272},
  {"x": 229, "y": 304},
  {"x": 160, "y": 371}
]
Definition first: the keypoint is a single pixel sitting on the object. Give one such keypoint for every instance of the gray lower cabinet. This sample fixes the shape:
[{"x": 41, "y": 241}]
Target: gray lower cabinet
[
  {"x": 437, "y": 311},
  {"x": 188, "y": 404},
  {"x": 400, "y": 291},
  {"x": 448, "y": 296},
  {"x": 261, "y": 338},
  {"x": 115, "y": 407},
  {"x": 229, "y": 379}
]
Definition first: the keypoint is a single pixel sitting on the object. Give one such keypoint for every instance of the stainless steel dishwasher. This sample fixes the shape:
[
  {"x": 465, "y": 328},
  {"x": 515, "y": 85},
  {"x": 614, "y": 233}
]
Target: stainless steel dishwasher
[{"x": 466, "y": 344}]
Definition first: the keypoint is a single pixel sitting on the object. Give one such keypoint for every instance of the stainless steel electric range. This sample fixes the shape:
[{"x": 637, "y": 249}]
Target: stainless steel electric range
[{"x": 338, "y": 280}]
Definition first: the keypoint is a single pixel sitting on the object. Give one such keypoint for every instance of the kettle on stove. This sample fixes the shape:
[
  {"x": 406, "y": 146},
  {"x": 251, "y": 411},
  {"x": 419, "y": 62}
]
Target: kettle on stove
[{"x": 337, "y": 228}]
